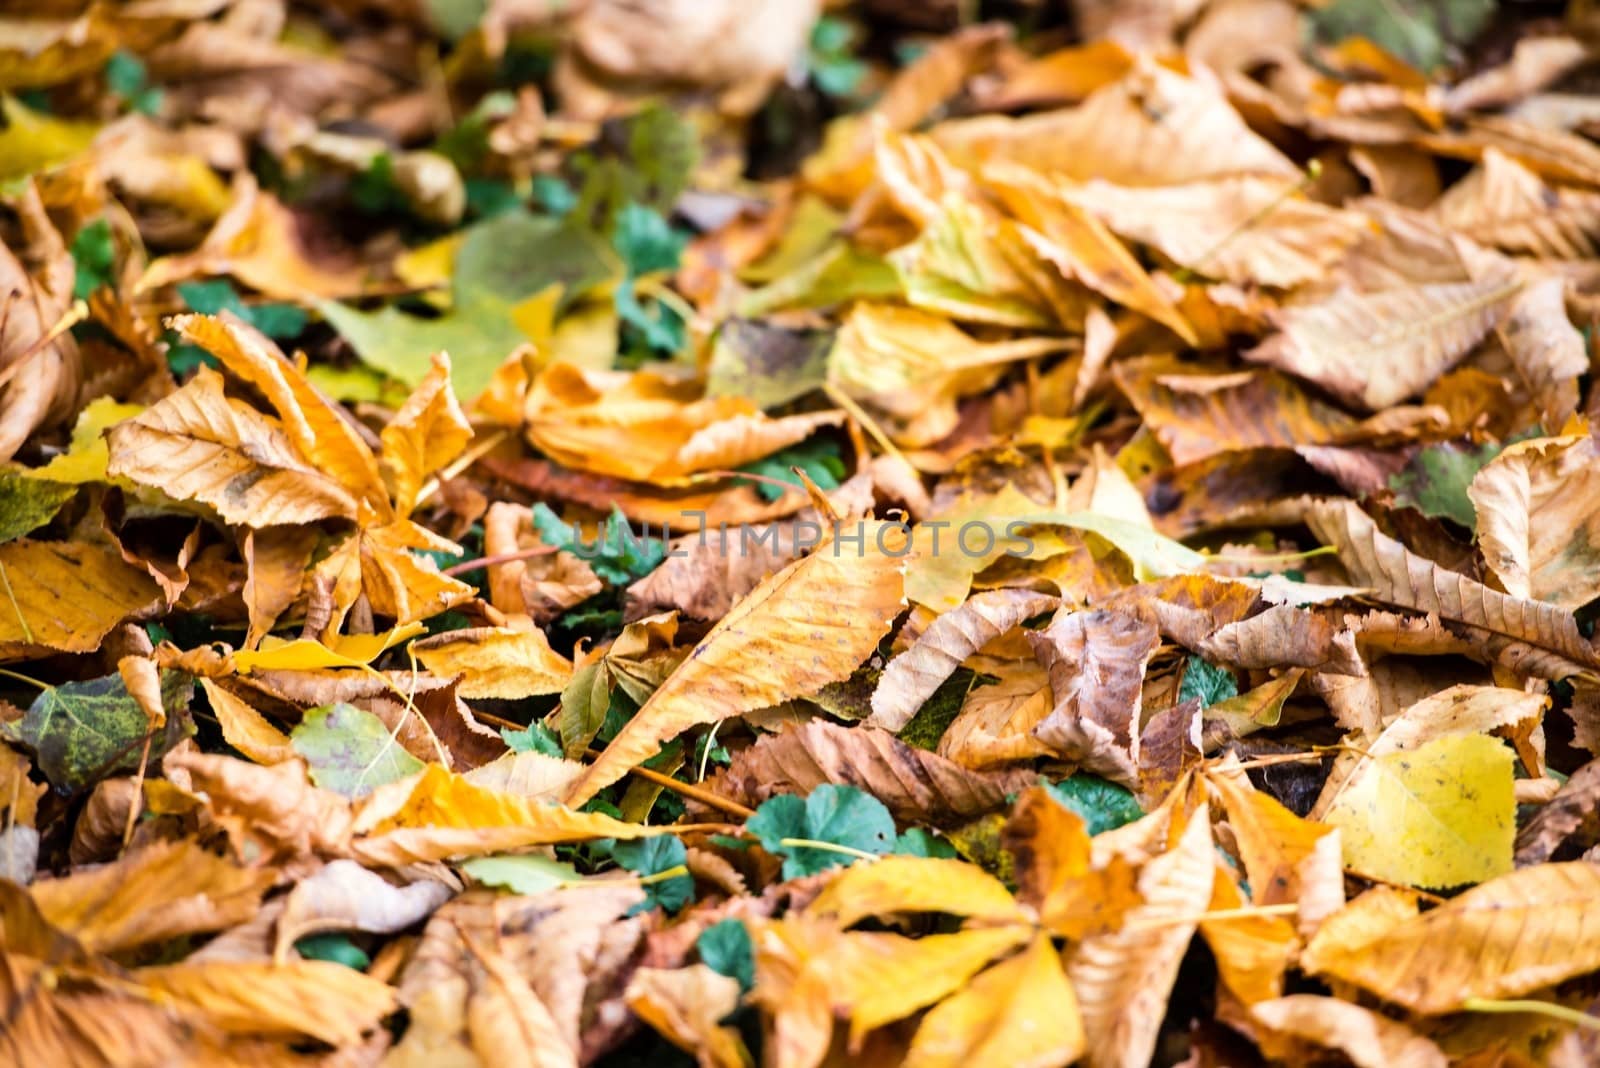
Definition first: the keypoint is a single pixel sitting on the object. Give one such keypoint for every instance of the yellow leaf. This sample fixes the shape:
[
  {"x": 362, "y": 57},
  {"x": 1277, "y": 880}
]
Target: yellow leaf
[
  {"x": 1252, "y": 952},
  {"x": 1512, "y": 935},
  {"x": 33, "y": 141},
  {"x": 1020, "y": 1012},
  {"x": 1273, "y": 842},
  {"x": 880, "y": 978},
  {"x": 686, "y": 1006},
  {"x": 1437, "y": 816},
  {"x": 496, "y": 662},
  {"x": 1055, "y": 875},
  {"x": 246, "y": 729},
  {"x": 66, "y": 595},
  {"x": 85, "y": 460},
  {"x": 304, "y": 654},
  {"x": 198, "y": 444},
  {"x": 447, "y": 815},
  {"x": 916, "y": 884},
  {"x": 426, "y": 433},
  {"x": 835, "y": 604}
]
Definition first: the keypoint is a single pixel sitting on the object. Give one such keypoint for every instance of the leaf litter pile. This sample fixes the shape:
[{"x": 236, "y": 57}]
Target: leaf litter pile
[{"x": 734, "y": 533}]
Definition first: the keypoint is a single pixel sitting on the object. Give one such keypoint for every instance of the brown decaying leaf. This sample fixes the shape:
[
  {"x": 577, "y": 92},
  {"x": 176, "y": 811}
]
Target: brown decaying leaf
[
  {"x": 40, "y": 362},
  {"x": 1570, "y": 820},
  {"x": 913, "y": 676},
  {"x": 344, "y": 896},
  {"x": 1123, "y": 978},
  {"x": 1096, "y": 663},
  {"x": 1366, "y": 1038},
  {"x": 1056, "y": 876},
  {"x": 913, "y": 783},
  {"x": 1536, "y": 511}
]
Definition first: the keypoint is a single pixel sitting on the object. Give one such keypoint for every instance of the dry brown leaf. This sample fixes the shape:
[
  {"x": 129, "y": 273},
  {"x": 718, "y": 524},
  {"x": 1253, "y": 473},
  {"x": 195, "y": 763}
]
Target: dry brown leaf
[
  {"x": 835, "y": 603},
  {"x": 160, "y": 892},
  {"x": 1096, "y": 663},
  {"x": 1123, "y": 978},
  {"x": 1241, "y": 229},
  {"x": 276, "y": 560},
  {"x": 686, "y": 1006},
  {"x": 1548, "y": 635},
  {"x": 1154, "y": 127},
  {"x": 1536, "y": 509},
  {"x": 1505, "y": 938},
  {"x": 1366, "y": 1038},
  {"x": 1507, "y": 206},
  {"x": 1568, "y": 821},
  {"x": 996, "y": 722},
  {"x": 274, "y": 810},
  {"x": 913, "y": 676},
  {"x": 200, "y": 445},
  {"x": 1376, "y": 349},
  {"x": 914, "y": 784},
  {"x": 40, "y": 362},
  {"x": 344, "y": 896}
]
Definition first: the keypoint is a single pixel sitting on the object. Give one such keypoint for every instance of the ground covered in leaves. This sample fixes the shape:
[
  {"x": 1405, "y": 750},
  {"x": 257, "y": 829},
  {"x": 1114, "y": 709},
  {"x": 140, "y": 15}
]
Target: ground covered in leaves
[{"x": 758, "y": 531}]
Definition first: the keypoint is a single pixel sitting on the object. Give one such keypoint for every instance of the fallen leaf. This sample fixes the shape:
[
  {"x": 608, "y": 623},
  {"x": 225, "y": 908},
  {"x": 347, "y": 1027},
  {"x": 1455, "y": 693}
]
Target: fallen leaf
[
  {"x": 350, "y": 751},
  {"x": 497, "y": 662},
  {"x": 856, "y": 593},
  {"x": 1366, "y": 1038},
  {"x": 1533, "y": 520},
  {"x": 344, "y": 896},
  {"x": 916, "y": 884}
]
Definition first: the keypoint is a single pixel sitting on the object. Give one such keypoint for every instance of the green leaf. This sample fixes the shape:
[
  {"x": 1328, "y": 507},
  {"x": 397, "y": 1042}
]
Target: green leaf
[
  {"x": 125, "y": 74},
  {"x": 554, "y": 195},
  {"x": 652, "y": 856},
  {"x": 1104, "y": 806},
  {"x": 1435, "y": 480},
  {"x": 838, "y": 815},
  {"x": 276, "y": 320},
  {"x": 93, "y": 257},
  {"x": 585, "y": 701},
  {"x": 1208, "y": 682},
  {"x": 335, "y": 948},
  {"x": 615, "y": 554},
  {"x": 502, "y": 262},
  {"x": 818, "y": 457},
  {"x": 81, "y": 730},
  {"x": 455, "y": 19},
  {"x": 646, "y": 241},
  {"x": 918, "y": 842},
  {"x": 1423, "y": 34},
  {"x": 725, "y": 947},
  {"x": 350, "y": 751},
  {"x": 535, "y": 738},
  {"x": 649, "y": 330},
  {"x": 489, "y": 197},
  {"x": 523, "y": 873},
  {"x": 28, "y": 503}
]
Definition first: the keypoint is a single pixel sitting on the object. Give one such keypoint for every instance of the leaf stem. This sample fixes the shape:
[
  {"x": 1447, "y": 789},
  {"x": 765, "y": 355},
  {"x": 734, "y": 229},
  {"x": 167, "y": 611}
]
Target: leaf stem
[
  {"x": 1532, "y": 1005},
  {"x": 25, "y": 678},
  {"x": 662, "y": 876},
  {"x": 695, "y": 793},
  {"x": 826, "y": 847}
]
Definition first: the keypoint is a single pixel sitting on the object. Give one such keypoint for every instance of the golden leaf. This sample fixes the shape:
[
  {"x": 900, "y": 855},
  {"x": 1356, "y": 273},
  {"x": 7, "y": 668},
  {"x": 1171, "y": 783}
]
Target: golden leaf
[
  {"x": 310, "y": 997},
  {"x": 246, "y": 729},
  {"x": 1055, "y": 874},
  {"x": 1504, "y": 204},
  {"x": 836, "y": 604},
  {"x": 1507, "y": 937},
  {"x": 426, "y": 433},
  {"x": 1252, "y": 952},
  {"x": 1020, "y": 1012},
  {"x": 1239, "y": 229},
  {"x": 916, "y": 884},
  {"x": 321, "y": 435},
  {"x": 686, "y": 1006},
  {"x": 66, "y": 595},
  {"x": 198, "y": 444},
  {"x": 496, "y": 662}
]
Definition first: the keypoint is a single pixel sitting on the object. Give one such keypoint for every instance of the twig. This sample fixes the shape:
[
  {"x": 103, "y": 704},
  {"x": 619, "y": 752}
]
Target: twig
[
  {"x": 504, "y": 558},
  {"x": 460, "y": 464},
  {"x": 696, "y": 793}
]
